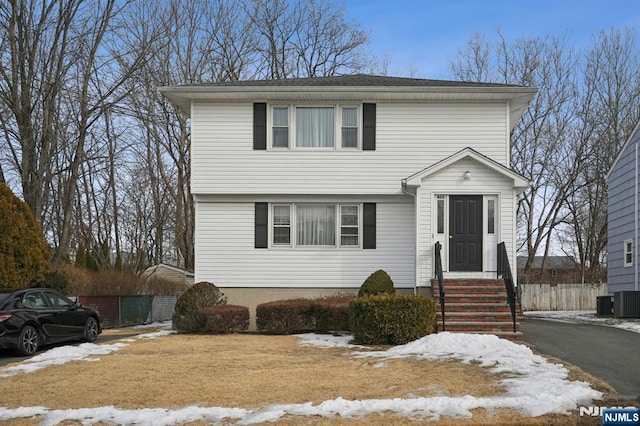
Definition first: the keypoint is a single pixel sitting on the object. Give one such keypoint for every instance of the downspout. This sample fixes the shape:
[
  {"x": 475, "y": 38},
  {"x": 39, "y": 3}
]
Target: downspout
[
  {"x": 403, "y": 187},
  {"x": 635, "y": 280}
]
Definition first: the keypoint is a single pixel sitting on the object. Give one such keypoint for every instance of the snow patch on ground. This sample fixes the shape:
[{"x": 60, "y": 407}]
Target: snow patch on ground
[{"x": 534, "y": 386}]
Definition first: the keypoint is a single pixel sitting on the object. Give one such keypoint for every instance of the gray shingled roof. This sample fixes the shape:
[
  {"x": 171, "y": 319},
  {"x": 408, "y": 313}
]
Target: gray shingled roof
[
  {"x": 352, "y": 81},
  {"x": 553, "y": 262}
]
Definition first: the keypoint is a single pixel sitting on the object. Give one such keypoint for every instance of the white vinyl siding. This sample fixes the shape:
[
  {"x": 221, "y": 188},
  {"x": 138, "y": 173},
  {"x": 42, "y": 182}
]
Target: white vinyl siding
[
  {"x": 225, "y": 253},
  {"x": 409, "y": 137}
]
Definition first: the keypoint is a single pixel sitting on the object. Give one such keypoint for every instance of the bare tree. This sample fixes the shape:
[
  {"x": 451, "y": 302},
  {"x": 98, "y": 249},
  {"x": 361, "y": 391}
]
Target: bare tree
[
  {"x": 306, "y": 39},
  {"x": 609, "y": 107},
  {"x": 541, "y": 149}
]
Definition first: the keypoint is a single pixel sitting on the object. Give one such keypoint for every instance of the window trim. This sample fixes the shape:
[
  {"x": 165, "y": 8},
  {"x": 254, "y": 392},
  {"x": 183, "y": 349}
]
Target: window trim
[
  {"x": 337, "y": 126},
  {"x": 628, "y": 253},
  {"x": 293, "y": 221}
]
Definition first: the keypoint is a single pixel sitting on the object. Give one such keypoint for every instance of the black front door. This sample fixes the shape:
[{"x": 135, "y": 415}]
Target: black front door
[{"x": 465, "y": 233}]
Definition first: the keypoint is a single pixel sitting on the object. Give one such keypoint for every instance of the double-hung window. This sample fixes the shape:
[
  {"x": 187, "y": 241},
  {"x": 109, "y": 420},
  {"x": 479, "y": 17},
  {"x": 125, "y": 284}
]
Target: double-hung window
[
  {"x": 280, "y": 135},
  {"x": 316, "y": 225},
  {"x": 628, "y": 253},
  {"x": 319, "y": 127},
  {"x": 281, "y": 225}
]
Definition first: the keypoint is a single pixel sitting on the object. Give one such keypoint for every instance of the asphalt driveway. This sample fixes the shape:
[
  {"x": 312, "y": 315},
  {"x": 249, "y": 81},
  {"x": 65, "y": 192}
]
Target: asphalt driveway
[{"x": 608, "y": 353}]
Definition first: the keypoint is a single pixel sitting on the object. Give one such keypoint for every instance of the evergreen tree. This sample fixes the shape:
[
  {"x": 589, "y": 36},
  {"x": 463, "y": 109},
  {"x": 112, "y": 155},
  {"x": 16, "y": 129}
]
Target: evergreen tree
[{"x": 24, "y": 255}]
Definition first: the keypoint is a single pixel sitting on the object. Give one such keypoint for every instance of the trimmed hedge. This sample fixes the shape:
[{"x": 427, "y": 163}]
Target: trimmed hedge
[
  {"x": 328, "y": 314},
  {"x": 391, "y": 319},
  {"x": 186, "y": 314},
  {"x": 222, "y": 319},
  {"x": 377, "y": 283}
]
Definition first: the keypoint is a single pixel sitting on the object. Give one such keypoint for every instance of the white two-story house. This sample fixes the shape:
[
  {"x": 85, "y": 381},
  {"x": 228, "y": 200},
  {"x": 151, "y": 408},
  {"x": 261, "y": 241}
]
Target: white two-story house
[{"x": 304, "y": 187}]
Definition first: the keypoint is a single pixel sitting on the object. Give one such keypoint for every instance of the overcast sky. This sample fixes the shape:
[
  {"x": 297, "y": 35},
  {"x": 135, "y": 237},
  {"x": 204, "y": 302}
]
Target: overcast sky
[{"x": 426, "y": 34}]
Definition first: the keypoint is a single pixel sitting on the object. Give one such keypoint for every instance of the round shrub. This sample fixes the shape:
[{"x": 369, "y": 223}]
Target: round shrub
[
  {"x": 391, "y": 319},
  {"x": 377, "y": 283},
  {"x": 187, "y": 315}
]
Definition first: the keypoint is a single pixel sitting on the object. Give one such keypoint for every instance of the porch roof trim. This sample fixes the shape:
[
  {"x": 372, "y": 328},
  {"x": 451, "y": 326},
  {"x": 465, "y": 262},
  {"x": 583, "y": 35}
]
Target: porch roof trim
[{"x": 519, "y": 181}]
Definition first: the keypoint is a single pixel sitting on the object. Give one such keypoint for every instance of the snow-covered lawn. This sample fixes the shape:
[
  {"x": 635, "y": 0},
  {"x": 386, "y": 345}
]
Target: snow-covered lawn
[
  {"x": 534, "y": 386},
  {"x": 586, "y": 317}
]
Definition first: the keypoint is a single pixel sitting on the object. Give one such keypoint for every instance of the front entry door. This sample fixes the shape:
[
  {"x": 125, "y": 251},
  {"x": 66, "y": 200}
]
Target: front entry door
[{"x": 465, "y": 233}]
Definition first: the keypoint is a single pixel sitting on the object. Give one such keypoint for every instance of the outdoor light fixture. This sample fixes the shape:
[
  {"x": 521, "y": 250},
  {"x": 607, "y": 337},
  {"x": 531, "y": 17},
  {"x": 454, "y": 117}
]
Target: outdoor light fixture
[{"x": 467, "y": 175}]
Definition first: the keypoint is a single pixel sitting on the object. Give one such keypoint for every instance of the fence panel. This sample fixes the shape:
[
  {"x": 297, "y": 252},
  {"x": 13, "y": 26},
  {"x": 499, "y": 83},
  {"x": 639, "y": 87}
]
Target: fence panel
[
  {"x": 162, "y": 308},
  {"x": 118, "y": 311},
  {"x": 561, "y": 297},
  {"x": 108, "y": 306},
  {"x": 135, "y": 310}
]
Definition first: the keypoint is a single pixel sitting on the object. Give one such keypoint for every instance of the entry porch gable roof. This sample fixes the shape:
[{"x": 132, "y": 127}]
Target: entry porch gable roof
[{"x": 519, "y": 181}]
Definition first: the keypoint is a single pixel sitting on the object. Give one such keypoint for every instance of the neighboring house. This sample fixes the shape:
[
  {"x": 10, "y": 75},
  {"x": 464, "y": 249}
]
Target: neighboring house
[
  {"x": 623, "y": 217},
  {"x": 169, "y": 273},
  {"x": 557, "y": 270},
  {"x": 304, "y": 187}
]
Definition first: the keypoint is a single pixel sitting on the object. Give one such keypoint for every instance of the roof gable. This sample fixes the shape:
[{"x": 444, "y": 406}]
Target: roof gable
[
  {"x": 518, "y": 180},
  {"x": 635, "y": 134}
]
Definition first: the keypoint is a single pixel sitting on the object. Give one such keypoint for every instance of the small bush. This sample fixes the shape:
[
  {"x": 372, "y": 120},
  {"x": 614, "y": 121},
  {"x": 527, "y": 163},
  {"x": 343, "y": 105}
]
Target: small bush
[
  {"x": 186, "y": 314},
  {"x": 377, "y": 283},
  {"x": 325, "y": 314},
  {"x": 391, "y": 319},
  {"x": 284, "y": 316},
  {"x": 332, "y": 313},
  {"x": 221, "y": 319}
]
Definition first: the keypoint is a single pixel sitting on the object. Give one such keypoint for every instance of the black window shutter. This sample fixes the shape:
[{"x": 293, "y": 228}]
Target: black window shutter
[
  {"x": 369, "y": 127},
  {"x": 260, "y": 126},
  {"x": 261, "y": 225},
  {"x": 369, "y": 226}
]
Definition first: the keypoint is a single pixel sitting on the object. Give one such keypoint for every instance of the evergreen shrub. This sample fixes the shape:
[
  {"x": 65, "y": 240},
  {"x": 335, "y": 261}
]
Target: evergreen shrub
[
  {"x": 391, "y": 319},
  {"x": 186, "y": 315},
  {"x": 377, "y": 283}
]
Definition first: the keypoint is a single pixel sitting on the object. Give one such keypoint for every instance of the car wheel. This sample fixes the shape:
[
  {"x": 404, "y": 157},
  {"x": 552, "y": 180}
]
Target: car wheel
[
  {"x": 28, "y": 341},
  {"x": 91, "y": 330}
]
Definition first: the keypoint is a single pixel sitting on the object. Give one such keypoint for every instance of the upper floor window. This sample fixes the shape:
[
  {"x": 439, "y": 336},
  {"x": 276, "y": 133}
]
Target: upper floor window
[
  {"x": 300, "y": 127},
  {"x": 280, "y": 138}
]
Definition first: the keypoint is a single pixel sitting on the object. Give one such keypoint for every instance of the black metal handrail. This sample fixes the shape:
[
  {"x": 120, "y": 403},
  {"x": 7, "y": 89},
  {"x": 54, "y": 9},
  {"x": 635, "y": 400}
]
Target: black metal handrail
[
  {"x": 504, "y": 271},
  {"x": 440, "y": 277}
]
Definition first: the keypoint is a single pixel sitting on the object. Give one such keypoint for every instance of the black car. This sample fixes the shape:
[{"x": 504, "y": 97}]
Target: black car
[{"x": 33, "y": 317}]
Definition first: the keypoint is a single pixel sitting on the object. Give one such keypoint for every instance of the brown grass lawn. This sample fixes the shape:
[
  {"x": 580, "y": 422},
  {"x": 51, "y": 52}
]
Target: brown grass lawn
[{"x": 251, "y": 371}]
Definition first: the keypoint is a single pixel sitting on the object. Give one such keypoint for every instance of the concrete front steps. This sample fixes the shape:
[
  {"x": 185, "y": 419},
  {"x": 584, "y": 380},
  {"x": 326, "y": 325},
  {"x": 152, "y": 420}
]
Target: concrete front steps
[{"x": 476, "y": 306}]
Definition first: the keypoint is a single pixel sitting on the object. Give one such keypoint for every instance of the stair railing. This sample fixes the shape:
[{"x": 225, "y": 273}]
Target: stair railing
[
  {"x": 504, "y": 271},
  {"x": 440, "y": 277}
]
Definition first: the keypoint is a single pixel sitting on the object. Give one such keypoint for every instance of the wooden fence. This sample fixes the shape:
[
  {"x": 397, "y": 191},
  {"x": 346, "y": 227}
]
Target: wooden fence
[{"x": 560, "y": 297}]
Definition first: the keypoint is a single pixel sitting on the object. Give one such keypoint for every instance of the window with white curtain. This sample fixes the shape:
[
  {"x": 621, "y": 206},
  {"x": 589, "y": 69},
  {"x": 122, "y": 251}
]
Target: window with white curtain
[
  {"x": 280, "y": 127},
  {"x": 316, "y": 225},
  {"x": 349, "y": 127},
  {"x": 319, "y": 127},
  {"x": 315, "y": 127}
]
